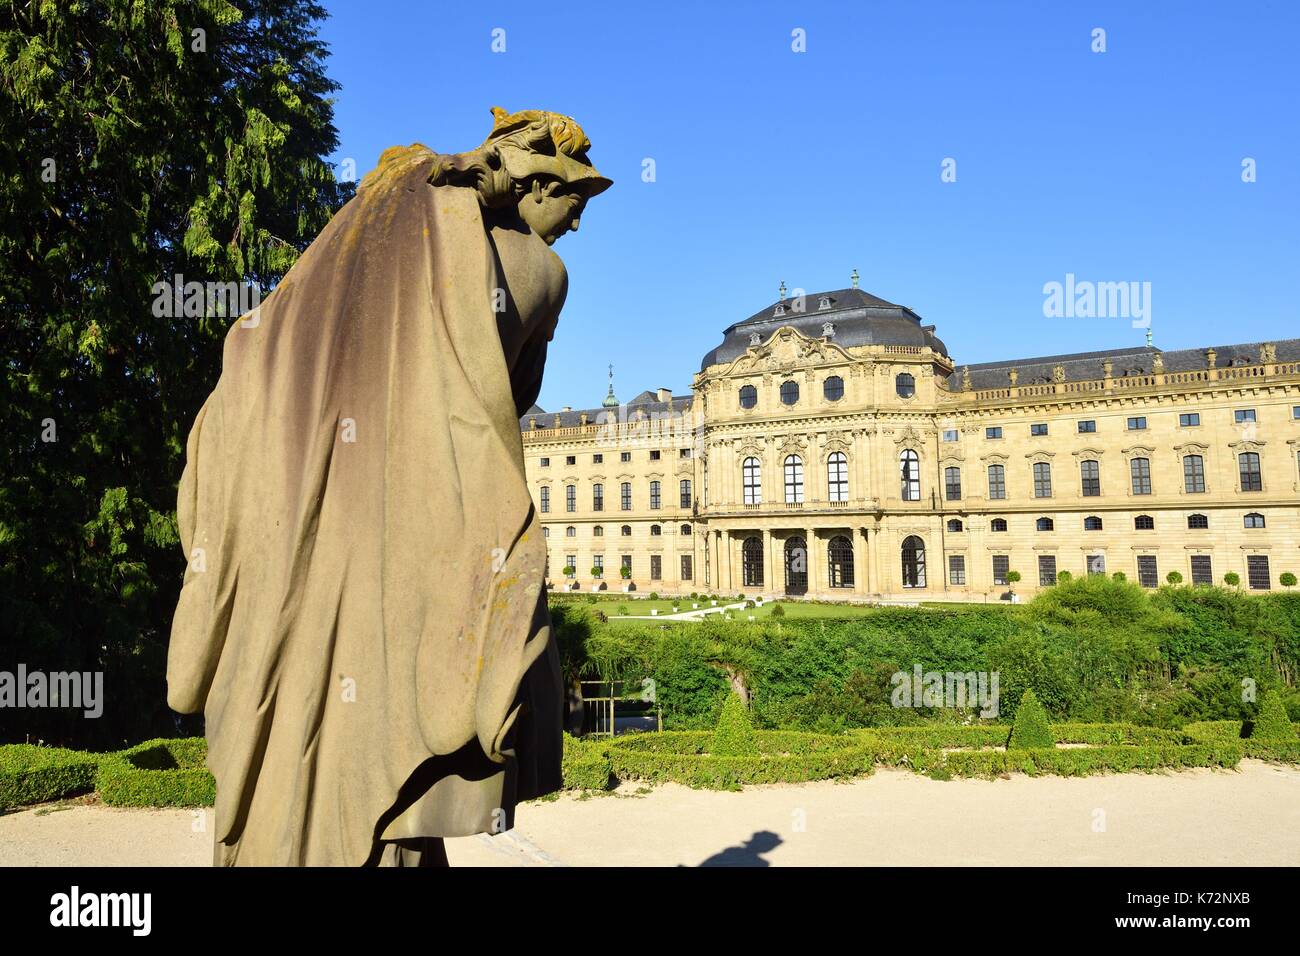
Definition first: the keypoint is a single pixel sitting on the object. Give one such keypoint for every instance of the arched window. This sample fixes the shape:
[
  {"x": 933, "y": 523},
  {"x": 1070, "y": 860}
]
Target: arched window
[
  {"x": 1194, "y": 474},
  {"x": 570, "y": 532},
  {"x": 913, "y": 562},
  {"x": 598, "y": 531},
  {"x": 837, "y": 476},
  {"x": 905, "y": 385},
  {"x": 684, "y": 492},
  {"x": 1045, "y": 524},
  {"x": 998, "y": 524},
  {"x": 1254, "y": 520},
  {"x": 1090, "y": 477},
  {"x": 910, "y": 466},
  {"x": 952, "y": 483},
  {"x": 833, "y": 388},
  {"x": 1140, "y": 468},
  {"x": 751, "y": 553},
  {"x": 793, "y": 480},
  {"x": 626, "y": 531},
  {"x": 654, "y": 495},
  {"x": 546, "y": 532},
  {"x": 997, "y": 482},
  {"x": 1092, "y": 523},
  {"x": 839, "y": 562},
  {"x": 1144, "y": 523},
  {"x": 655, "y": 530},
  {"x": 1251, "y": 477},
  {"x": 748, "y": 396},
  {"x": 1042, "y": 479},
  {"x": 546, "y": 500},
  {"x": 954, "y": 525},
  {"x": 684, "y": 529},
  {"x": 1198, "y": 521},
  {"x": 796, "y": 566},
  {"x": 789, "y": 392},
  {"x": 752, "y": 475}
]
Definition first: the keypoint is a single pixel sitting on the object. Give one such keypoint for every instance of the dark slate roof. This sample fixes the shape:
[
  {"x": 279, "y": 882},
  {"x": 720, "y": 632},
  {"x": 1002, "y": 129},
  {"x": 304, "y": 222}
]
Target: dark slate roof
[
  {"x": 860, "y": 318},
  {"x": 1085, "y": 366},
  {"x": 647, "y": 402}
]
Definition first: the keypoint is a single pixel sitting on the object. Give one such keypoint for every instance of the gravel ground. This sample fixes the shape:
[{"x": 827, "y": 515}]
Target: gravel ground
[{"x": 1195, "y": 817}]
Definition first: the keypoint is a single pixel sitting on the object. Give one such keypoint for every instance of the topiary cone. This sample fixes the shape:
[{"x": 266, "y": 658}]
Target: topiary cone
[
  {"x": 1031, "y": 729},
  {"x": 1272, "y": 722},
  {"x": 734, "y": 734}
]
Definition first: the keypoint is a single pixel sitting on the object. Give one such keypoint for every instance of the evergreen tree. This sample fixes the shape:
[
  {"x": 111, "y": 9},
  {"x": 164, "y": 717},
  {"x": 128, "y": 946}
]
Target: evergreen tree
[{"x": 138, "y": 142}]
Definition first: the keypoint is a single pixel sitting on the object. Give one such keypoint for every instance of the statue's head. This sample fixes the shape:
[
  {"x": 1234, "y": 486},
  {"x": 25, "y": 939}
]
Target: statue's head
[{"x": 534, "y": 161}]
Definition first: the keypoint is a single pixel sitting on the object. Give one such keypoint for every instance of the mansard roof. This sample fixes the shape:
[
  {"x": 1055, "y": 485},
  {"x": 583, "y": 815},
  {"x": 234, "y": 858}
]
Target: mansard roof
[
  {"x": 858, "y": 317},
  {"x": 647, "y": 402}
]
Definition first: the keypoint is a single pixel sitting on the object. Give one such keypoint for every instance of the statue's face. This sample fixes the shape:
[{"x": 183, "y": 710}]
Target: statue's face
[{"x": 552, "y": 209}]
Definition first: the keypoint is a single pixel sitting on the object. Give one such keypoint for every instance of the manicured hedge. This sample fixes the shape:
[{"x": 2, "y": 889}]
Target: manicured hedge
[
  {"x": 32, "y": 774},
  {"x": 1078, "y": 762},
  {"x": 157, "y": 773},
  {"x": 586, "y": 764},
  {"x": 1031, "y": 729},
  {"x": 784, "y": 757},
  {"x": 1230, "y": 731}
]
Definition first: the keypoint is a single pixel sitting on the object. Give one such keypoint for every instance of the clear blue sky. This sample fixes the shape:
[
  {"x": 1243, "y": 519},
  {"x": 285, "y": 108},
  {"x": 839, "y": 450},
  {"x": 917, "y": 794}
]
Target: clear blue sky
[{"x": 774, "y": 165}]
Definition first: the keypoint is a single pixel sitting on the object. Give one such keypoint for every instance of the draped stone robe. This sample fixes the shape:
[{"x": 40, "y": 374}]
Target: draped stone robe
[{"x": 363, "y": 620}]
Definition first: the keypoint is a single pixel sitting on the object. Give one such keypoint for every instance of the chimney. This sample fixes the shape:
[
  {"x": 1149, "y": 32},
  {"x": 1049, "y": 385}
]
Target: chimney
[{"x": 665, "y": 394}]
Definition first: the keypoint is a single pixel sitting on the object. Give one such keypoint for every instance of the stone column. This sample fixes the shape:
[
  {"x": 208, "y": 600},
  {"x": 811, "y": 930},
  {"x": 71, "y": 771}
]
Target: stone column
[
  {"x": 810, "y": 542},
  {"x": 772, "y": 584}
]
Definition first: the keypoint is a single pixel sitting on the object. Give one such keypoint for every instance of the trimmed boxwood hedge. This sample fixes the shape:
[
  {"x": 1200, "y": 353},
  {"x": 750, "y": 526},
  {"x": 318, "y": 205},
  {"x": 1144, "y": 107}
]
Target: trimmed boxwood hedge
[
  {"x": 1230, "y": 731},
  {"x": 783, "y": 757},
  {"x": 1079, "y": 762},
  {"x": 586, "y": 764},
  {"x": 157, "y": 773},
  {"x": 32, "y": 774}
]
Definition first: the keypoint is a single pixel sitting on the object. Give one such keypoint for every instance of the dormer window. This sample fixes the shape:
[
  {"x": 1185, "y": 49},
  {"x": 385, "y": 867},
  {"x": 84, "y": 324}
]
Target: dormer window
[
  {"x": 780, "y": 309},
  {"x": 824, "y": 303},
  {"x": 828, "y": 330}
]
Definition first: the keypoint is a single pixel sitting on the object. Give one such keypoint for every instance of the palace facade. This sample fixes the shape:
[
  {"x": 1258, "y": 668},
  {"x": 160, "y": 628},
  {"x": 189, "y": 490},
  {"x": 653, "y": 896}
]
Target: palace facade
[{"x": 830, "y": 448}]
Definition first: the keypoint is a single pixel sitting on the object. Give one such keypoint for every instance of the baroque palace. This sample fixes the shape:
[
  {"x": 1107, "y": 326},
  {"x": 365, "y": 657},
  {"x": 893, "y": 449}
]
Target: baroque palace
[{"x": 831, "y": 449}]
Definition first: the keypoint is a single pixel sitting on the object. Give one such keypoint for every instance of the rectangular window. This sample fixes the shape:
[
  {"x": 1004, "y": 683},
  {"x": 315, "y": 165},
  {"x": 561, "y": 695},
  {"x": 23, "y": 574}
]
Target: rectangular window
[
  {"x": 956, "y": 569},
  {"x": 952, "y": 484},
  {"x": 1001, "y": 565},
  {"x": 997, "y": 482},
  {"x": 1138, "y": 424},
  {"x": 687, "y": 570},
  {"x": 570, "y": 459},
  {"x": 546, "y": 463},
  {"x": 654, "y": 455},
  {"x": 625, "y": 456},
  {"x": 656, "y": 567},
  {"x": 597, "y": 459},
  {"x": 597, "y": 565},
  {"x": 1148, "y": 574},
  {"x": 1295, "y": 412},
  {"x": 570, "y": 497},
  {"x": 1140, "y": 468},
  {"x": 546, "y": 500},
  {"x": 1257, "y": 572},
  {"x": 1086, "y": 427},
  {"x": 597, "y": 497},
  {"x": 950, "y": 434},
  {"x": 684, "y": 492},
  {"x": 1046, "y": 570},
  {"x": 1194, "y": 474},
  {"x": 1189, "y": 420},
  {"x": 1096, "y": 564},
  {"x": 1243, "y": 415},
  {"x": 625, "y": 560},
  {"x": 994, "y": 432},
  {"x": 1090, "y": 476},
  {"x": 570, "y": 565},
  {"x": 1042, "y": 479},
  {"x": 654, "y": 496},
  {"x": 683, "y": 453},
  {"x": 1202, "y": 569},
  {"x": 1038, "y": 428},
  {"x": 625, "y": 496}
]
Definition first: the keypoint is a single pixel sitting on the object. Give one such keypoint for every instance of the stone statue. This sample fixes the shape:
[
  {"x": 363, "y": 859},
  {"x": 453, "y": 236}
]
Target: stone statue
[{"x": 363, "y": 621}]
